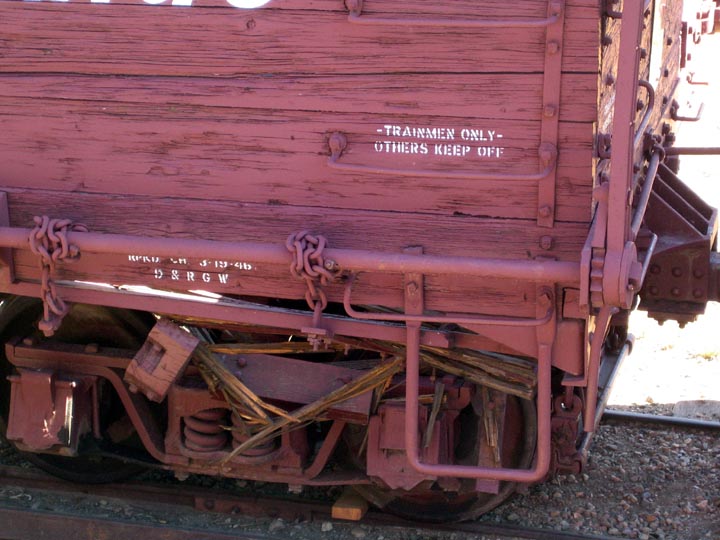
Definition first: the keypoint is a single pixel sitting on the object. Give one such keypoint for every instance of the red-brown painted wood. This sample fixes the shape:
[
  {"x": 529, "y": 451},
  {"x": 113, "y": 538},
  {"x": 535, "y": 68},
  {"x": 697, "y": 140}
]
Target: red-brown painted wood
[
  {"x": 275, "y": 157},
  {"x": 466, "y": 96},
  {"x": 460, "y": 235},
  {"x": 169, "y": 40},
  {"x": 213, "y": 122}
]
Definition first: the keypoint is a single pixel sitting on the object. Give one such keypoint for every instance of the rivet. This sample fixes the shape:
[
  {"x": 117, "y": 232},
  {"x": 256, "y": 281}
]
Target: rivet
[
  {"x": 610, "y": 79},
  {"x": 606, "y": 40},
  {"x": 553, "y": 47},
  {"x": 655, "y": 269},
  {"x": 675, "y": 291},
  {"x": 546, "y": 242},
  {"x": 654, "y": 290},
  {"x": 698, "y": 273},
  {"x": 545, "y": 211},
  {"x": 677, "y": 271},
  {"x": 250, "y": 24},
  {"x": 549, "y": 111},
  {"x": 643, "y": 53},
  {"x": 698, "y": 293},
  {"x": 241, "y": 362},
  {"x": 666, "y": 73},
  {"x": 92, "y": 348},
  {"x": 669, "y": 41},
  {"x": 412, "y": 287}
]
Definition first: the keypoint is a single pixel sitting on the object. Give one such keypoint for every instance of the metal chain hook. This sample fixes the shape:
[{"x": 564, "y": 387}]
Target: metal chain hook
[
  {"x": 48, "y": 240},
  {"x": 308, "y": 264}
]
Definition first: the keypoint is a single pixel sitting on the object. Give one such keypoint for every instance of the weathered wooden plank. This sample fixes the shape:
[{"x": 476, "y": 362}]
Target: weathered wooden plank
[
  {"x": 660, "y": 66},
  {"x": 225, "y": 220},
  {"x": 482, "y": 96},
  {"x": 442, "y": 293},
  {"x": 75, "y": 37},
  {"x": 222, "y": 220},
  {"x": 280, "y": 157}
]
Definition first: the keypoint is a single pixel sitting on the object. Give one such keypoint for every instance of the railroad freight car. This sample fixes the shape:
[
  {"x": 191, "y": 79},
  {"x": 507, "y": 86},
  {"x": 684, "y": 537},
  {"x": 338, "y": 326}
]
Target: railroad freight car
[{"x": 385, "y": 244}]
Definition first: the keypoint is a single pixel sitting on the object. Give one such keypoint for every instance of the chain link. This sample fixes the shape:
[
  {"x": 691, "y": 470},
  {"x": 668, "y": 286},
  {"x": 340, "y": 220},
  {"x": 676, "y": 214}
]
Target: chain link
[
  {"x": 48, "y": 240},
  {"x": 308, "y": 264}
]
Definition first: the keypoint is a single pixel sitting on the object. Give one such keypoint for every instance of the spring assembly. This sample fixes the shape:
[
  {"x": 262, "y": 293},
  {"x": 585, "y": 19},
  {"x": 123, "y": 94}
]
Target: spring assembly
[
  {"x": 205, "y": 432},
  {"x": 240, "y": 434}
]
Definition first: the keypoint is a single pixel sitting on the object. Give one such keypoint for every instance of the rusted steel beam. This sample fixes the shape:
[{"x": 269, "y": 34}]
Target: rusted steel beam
[
  {"x": 692, "y": 151},
  {"x": 346, "y": 259}
]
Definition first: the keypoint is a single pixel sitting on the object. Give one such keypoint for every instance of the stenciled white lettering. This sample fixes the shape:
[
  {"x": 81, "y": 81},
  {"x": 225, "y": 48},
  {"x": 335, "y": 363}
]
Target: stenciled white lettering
[
  {"x": 411, "y": 140},
  {"x": 187, "y": 273}
]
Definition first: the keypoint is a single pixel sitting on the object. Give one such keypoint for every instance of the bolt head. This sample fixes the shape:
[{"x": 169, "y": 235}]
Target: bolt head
[
  {"x": 545, "y": 211},
  {"x": 549, "y": 111}
]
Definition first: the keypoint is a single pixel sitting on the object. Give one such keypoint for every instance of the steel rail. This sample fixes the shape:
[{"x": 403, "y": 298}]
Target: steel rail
[
  {"x": 24, "y": 524},
  {"x": 21, "y": 524},
  {"x": 692, "y": 151},
  {"x": 346, "y": 259},
  {"x": 628, "y": 416}
]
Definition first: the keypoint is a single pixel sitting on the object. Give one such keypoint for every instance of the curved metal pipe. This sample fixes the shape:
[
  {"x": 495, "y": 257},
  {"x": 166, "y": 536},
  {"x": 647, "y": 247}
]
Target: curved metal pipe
[
  {"x": 648, "y": 111},
  {"x": 447, "y": 318},
  {"x": 543, "y": 402},
  {"x": 652, "y": 171}
]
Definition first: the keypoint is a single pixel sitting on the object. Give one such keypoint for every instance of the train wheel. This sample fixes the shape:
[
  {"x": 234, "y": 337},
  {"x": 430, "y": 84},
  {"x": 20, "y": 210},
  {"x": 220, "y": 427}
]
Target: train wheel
[
  {"x": 430, "y": 502},
  {"x": 84, "y": 324}
]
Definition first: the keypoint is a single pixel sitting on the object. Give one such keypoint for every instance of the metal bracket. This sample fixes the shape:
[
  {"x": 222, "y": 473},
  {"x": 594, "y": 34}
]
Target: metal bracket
[
  {"x": 552, "y": 83},
  {"x": 355, "y": 8}
]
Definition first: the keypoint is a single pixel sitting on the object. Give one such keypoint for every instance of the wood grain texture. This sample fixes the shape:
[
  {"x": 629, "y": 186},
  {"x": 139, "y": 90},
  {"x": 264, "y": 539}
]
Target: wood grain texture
[
  {"x": 482, "y": 96},
  {"x": 213, "y": 122},
  {"x": 276, "y": 157},
  {"x": 387, "y": 232},
  {"x": 210, "y": 41}
]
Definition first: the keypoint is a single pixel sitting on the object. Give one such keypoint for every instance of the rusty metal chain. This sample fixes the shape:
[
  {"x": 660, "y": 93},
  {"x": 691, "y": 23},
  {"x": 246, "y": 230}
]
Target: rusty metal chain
[
  {"x": 48, "y": 240},
  {"x": 308, "y": 264}
]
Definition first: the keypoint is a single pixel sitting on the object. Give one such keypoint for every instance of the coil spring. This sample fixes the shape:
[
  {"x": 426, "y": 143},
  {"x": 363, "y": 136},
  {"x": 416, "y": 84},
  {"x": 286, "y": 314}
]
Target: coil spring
[
  {"x": 240, "y": 435},
  {"x": 204, "y": 430}
]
